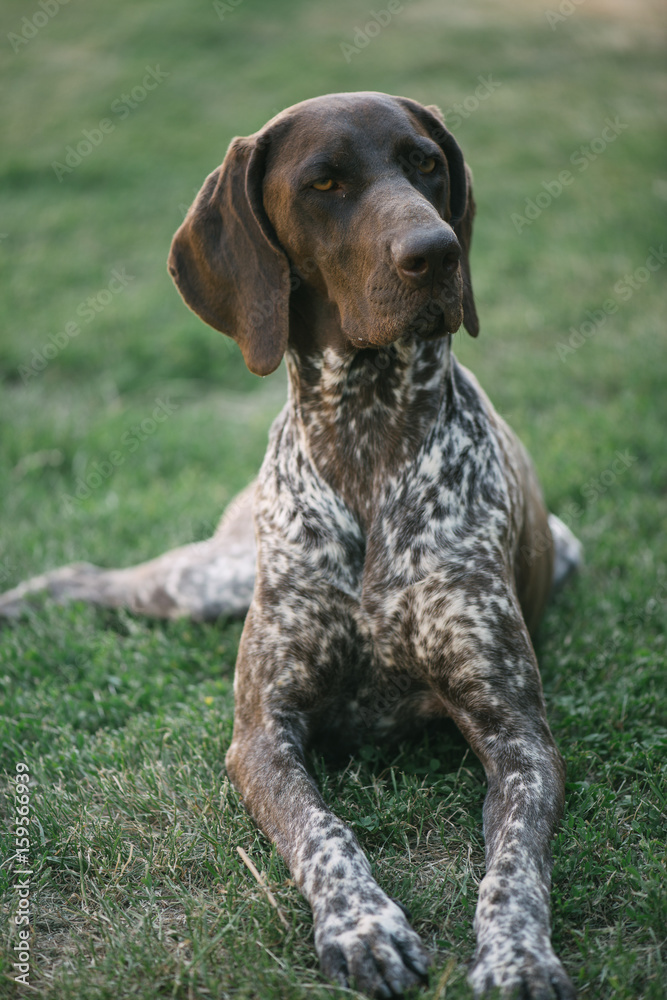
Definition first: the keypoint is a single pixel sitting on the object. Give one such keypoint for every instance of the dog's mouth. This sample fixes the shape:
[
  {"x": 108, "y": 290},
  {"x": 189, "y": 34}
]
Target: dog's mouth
[
  {"x": 432, "y": 326},
  {"x": 438, "y": 314},
  {"x": 389, "y": 310}
]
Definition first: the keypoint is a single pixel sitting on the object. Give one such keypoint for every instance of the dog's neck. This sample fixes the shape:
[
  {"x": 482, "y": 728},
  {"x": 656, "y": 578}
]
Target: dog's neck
[{"x": 362, "y": 414}]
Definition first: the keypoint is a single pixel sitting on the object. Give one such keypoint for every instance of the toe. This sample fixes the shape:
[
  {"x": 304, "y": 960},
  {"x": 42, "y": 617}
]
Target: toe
[{"x": 334, "y": 965}]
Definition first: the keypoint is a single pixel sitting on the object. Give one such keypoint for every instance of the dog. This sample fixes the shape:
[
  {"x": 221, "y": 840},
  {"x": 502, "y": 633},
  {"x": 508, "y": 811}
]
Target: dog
[{"x": 396, "y": 536}]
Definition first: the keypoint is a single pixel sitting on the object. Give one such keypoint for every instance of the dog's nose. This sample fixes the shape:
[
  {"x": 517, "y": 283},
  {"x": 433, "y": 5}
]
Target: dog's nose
[{"x": 425, "y": 255}]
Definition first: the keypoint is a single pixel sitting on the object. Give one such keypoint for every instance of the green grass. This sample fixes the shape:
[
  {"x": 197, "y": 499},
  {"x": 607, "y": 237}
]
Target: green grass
[{"x": 138, "y": 889}]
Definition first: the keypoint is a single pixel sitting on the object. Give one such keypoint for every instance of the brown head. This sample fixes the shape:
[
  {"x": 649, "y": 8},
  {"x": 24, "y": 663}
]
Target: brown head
[{"x": 356, "y": 207}]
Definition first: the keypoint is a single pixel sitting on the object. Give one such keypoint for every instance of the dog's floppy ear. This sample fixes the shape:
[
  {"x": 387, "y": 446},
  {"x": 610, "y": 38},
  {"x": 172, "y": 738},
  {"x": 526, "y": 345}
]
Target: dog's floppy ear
[
  {"x": 227, "y": 263},
  {"x": 461, "y": 201},
  {"x": 462, "y": 208},
  {"x": 463, "y": 230}
]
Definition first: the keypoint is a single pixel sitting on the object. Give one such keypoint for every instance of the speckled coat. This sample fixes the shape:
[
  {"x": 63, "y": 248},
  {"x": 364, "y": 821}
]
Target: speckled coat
[
  {"x": 401, "y": 552},
  {"x": 389, "y": 510}
]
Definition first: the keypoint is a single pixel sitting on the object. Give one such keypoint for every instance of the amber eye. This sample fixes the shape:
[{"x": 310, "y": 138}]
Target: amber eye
[
  {"x": 427, "y": 166},
  {"x": 326, "y": 185}
]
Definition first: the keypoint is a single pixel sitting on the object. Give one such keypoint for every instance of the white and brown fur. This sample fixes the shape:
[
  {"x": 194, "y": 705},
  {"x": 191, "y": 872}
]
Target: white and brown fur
[{"x": 400, "y": 541}]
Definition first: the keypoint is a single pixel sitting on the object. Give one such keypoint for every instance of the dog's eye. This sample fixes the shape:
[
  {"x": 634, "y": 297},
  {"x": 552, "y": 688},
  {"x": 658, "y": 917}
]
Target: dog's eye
[
  {"x": 325, "y": 185},
  {"x": 427, "y": 166}
]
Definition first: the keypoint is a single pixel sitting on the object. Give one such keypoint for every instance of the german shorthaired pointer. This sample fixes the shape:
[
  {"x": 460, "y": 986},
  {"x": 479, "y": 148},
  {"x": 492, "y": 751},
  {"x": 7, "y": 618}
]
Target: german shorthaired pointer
[{"x": 400, "y": 537}]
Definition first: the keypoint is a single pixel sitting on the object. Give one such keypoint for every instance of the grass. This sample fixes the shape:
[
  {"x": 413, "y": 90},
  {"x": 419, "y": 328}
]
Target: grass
[{"x": 138, "y": 890}]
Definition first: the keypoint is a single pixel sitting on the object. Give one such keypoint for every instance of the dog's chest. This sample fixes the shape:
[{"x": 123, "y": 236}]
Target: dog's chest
[
  {"x": 344, "y": 588},
  {"x": 453, "y": 488}
]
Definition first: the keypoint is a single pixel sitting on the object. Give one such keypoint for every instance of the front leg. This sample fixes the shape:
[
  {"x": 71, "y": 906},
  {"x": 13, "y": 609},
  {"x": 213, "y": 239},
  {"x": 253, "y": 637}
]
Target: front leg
[
  {"x": 522, "y": 807},
  {"x": 361, "y": 936},
  {"x": 484, "y": 674}
]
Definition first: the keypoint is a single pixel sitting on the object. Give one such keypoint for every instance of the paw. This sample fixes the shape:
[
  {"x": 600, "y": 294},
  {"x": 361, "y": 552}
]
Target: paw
[
  {"x": 67, "y": 583},
  {"x": 520, "y": 974},
  {"x": 376, "y": 953}
]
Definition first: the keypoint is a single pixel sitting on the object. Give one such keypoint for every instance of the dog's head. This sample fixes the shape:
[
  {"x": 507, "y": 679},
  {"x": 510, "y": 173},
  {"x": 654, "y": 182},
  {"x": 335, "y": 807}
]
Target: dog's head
[{"x": 362, "y": 201}]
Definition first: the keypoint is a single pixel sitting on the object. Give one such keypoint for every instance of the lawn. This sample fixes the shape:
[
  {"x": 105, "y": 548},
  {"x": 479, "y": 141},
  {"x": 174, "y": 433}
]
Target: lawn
[{"x": 137, "y": 889}]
